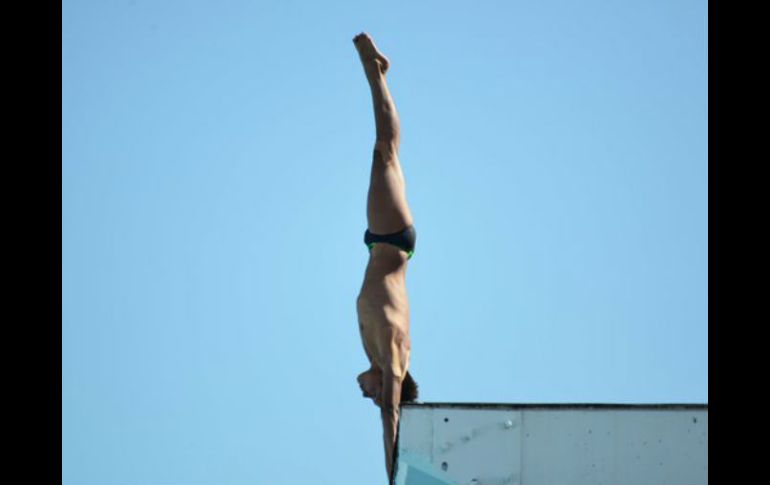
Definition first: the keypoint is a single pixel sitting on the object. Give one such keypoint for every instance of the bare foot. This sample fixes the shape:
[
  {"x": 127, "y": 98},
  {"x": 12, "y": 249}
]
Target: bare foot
[{"x": 368, "y": 52}]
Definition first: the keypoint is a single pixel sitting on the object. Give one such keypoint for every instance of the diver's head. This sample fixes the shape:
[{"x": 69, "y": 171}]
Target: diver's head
[{"x": 409, "y": 392}]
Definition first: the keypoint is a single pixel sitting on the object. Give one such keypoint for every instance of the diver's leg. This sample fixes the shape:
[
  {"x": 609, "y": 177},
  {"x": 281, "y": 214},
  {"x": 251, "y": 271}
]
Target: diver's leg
[{"x": 387, "y": 209}]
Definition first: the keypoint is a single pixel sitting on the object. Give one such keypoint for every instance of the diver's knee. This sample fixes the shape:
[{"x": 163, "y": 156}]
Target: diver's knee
[{"x": 385, "y": 151}]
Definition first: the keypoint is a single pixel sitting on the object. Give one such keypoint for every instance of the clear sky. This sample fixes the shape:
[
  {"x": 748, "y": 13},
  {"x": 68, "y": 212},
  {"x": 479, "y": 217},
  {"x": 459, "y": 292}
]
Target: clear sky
[{"x": 215, "y": 161}]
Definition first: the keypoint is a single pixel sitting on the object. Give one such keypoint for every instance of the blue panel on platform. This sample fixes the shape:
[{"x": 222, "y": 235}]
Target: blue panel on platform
[{"x": 415, "y": 476}]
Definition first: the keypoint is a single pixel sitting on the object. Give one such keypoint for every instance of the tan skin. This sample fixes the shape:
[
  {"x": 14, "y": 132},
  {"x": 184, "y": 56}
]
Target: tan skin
[{"x": 383, "y": 306}]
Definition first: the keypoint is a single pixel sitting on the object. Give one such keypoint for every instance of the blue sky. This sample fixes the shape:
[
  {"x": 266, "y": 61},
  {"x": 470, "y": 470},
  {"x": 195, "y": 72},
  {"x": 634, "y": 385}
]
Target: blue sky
[{"x": 215, "y": 161}]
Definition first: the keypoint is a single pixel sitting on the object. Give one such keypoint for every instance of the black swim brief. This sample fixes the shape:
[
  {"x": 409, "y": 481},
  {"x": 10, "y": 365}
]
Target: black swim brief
[{"x": 404, "y": 240}]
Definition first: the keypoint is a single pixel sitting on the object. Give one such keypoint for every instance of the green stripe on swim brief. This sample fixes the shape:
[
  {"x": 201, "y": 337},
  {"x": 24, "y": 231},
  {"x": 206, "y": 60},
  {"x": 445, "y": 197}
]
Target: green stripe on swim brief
[{"x": 409, "y": 254}]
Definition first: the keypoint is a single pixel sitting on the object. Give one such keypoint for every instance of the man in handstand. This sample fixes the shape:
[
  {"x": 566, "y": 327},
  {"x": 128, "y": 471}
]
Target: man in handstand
[{"x": 383, "y": 308}]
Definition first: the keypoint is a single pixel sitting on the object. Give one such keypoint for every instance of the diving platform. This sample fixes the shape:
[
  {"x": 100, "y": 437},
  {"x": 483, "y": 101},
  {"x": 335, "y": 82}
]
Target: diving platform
[{"x": 552, "y": 444}]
